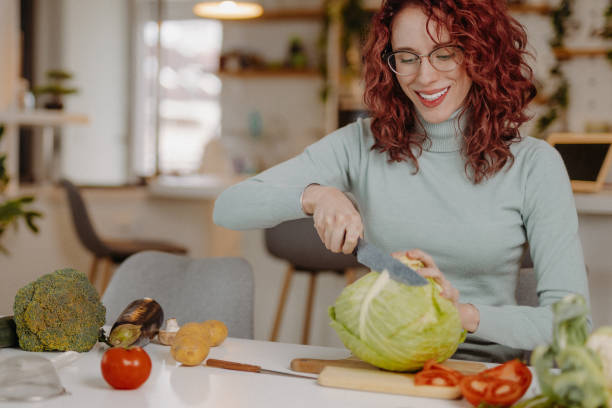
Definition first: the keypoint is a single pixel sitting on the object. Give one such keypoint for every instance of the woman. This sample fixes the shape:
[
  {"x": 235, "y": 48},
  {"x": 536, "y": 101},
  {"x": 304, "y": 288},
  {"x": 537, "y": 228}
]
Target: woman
[{"x": 440, "y": 166}]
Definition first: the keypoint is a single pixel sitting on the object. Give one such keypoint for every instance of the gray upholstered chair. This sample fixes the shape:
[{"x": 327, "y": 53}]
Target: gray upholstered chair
[
  {"x": 526, "y": 288},
  {"x": 187, "y": 289},
  {"x": 298, "y": 243},
  {"x": 109, "y": 251}
]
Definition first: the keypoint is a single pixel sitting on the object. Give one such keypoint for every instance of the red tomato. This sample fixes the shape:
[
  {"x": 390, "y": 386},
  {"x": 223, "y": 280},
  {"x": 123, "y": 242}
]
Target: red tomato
[
  {"x": 502, "y": 385},
  {"x": 512, "y": 370},
  {"x": 494, "y": 391},
  {"x": 436, "y": 377},
  {"x": 434, "y": 373},
  {"x": 125, "y": 369}
]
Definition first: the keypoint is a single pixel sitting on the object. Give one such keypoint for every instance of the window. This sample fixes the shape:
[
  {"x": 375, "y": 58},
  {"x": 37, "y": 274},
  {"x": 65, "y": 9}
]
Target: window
[{"x": 189, "y": 89}]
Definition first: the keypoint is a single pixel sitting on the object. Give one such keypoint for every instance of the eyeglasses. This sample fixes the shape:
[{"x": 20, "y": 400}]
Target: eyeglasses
[{"x": 444, "y": 59}]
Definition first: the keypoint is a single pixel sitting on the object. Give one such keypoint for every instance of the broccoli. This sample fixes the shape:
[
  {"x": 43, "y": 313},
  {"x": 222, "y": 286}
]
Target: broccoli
[{"x": 58, "y": 311}]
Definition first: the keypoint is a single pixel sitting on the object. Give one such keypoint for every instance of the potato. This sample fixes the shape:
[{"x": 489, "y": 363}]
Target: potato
[
  {"x": 192, "y": 329},
  {"x": 216, "y": 332},
  {"x": 189, "y": 350}
]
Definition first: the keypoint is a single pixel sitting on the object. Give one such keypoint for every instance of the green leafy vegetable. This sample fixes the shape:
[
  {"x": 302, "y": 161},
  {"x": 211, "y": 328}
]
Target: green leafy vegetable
[
  {"x": 395, "y": 326},
  {"x": 579, "y": 381}
]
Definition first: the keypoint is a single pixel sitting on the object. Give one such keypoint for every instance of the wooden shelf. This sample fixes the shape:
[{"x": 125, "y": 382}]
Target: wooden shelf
[
  {"x": 272, "y": 73},
  {"x": 567, "y": 53},
  {"x": 531, "y": 8},
  {"x": 42, "y": 117},
  {"x": 540, "y": 99}
]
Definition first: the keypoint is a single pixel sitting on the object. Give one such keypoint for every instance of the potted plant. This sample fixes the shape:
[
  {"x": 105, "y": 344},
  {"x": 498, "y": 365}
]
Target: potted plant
[
  {"x": 13, "y": 209},
  {"x": 55, "y": 88}
]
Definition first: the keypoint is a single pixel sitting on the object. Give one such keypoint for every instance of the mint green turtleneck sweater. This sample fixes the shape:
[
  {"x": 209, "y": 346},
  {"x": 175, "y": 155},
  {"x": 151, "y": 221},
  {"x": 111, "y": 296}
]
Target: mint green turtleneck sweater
[{"x": 476, "y": 233}]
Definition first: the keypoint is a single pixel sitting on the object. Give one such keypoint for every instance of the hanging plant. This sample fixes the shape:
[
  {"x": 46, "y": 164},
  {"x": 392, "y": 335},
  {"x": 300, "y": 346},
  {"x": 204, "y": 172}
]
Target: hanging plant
[
  {"x": 607, "y": 28},
  {"x": 11, "y": 210},
  {"x": 559, "y": 100},
  {"x": 354, "y": 20},
  {"x": 559, "y": 19}
]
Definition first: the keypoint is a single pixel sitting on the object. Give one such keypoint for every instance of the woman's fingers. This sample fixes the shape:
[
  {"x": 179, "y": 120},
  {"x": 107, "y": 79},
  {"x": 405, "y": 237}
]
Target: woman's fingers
[
  {"x": 448, "y": 290},
  {"x": 421, "y": 256},
  {"x": 353, "y": 233},
  {"x": 339, "y": 233},
  {"x": 336, "y": 239}
]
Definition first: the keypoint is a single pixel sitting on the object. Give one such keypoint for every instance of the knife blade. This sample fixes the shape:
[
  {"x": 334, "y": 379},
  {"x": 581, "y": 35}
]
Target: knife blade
[
  {"x": 375, "y": 259},
  {"x": 231, "y": 365}
]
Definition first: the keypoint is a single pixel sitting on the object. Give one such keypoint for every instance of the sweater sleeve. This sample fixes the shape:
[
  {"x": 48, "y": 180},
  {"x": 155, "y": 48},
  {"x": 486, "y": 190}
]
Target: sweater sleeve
[
  {"x": 551, "y": 224},
  {"x": 273, "y": 196}
]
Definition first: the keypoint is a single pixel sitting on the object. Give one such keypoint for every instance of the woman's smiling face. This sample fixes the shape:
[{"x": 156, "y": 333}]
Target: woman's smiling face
[{"x": 436, "y": 95}]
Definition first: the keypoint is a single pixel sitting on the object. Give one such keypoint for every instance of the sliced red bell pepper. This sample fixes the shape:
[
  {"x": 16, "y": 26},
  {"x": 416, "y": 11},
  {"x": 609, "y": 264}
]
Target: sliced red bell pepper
[
  {"x": 434, "y": 373},
  {"x": 502, "y": 385}
]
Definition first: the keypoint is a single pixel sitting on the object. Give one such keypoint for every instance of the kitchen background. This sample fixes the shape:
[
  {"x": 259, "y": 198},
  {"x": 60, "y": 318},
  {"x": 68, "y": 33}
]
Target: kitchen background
[{"x": 236, "y": 97}]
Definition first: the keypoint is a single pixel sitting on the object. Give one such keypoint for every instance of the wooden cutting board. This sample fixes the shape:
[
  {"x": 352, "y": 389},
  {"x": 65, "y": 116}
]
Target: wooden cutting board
[
  {"x": 355, "y": 374},
  {"x": 315, "y": 366}
]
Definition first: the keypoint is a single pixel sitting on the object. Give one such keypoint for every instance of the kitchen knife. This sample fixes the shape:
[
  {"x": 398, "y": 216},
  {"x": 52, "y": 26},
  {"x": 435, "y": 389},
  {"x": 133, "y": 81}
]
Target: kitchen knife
[
  {"x": 231, "y": 365},
  {"x": 375, "y": 259}
]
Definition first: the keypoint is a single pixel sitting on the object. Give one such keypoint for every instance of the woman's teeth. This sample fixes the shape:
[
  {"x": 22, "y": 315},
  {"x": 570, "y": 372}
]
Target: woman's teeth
[{"x": 433, "y": 97}]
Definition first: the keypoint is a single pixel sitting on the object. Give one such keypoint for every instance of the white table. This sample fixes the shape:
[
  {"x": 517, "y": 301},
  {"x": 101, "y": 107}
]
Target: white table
[{"x": 171, "y": 385}]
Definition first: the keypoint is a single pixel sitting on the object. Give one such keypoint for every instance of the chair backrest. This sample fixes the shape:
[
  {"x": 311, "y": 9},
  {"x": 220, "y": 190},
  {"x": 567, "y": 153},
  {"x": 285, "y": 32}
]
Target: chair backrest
[
  {"x": 187, "y": 289},
  {"x": 527, "y": 285},
  {"x": 81, "y": 221},
  {"x": 297, "y": 242}
]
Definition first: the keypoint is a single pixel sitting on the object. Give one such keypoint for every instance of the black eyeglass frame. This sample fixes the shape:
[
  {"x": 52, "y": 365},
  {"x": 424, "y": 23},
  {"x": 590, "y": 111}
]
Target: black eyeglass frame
[{"x": 387, "y": 55}]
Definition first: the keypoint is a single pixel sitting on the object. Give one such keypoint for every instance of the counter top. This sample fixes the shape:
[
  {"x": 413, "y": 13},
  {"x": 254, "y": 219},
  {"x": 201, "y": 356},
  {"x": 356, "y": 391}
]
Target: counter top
[
  {"x": 595, "y": 203},
  {"x": 196, "y": 186}
]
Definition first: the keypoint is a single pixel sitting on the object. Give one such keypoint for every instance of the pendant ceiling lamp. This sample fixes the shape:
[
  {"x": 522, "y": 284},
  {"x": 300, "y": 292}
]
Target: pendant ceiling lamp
[{"x": 228, "y": 10}]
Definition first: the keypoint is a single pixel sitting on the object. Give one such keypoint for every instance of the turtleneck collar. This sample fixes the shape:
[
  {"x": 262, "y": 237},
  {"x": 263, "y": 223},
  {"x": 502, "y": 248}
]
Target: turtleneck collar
[{"x": 445, "y": 136}]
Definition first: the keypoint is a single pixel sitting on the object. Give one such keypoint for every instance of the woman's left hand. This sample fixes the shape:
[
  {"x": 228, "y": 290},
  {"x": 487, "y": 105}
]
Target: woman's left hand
[{"x": 470, "y": 317}]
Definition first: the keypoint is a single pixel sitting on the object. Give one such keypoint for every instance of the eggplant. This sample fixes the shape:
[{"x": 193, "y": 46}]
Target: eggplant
[{"x": 139, "y": 322}]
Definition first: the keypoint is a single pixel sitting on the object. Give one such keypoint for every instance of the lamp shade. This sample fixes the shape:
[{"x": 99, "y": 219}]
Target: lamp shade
[{"x": 228, "y": 10}]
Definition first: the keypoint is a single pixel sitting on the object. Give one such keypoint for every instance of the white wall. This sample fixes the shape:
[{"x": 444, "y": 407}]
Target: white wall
[
  {"x": 95, "y": 47},
  {"x": 88, "y": 38}
]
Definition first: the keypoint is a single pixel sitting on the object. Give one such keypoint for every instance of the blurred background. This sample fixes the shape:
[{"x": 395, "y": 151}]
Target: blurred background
[{"x": 153, "y": 110}]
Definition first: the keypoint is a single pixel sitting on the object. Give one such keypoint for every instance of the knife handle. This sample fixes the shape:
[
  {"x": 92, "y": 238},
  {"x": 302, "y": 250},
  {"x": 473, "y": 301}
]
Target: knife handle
[
  {"x": 308, "y": 365},
  {"x": 315, "y": 366},
  {"x": 231, "y": 365}
]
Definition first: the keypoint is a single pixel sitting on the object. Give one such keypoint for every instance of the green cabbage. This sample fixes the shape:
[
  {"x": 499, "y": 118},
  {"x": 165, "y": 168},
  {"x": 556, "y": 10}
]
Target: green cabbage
[{"x": 395, "y": 326}]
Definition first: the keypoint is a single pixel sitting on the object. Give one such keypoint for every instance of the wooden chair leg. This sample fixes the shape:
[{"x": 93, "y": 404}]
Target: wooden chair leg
[
  {"x": 350, "y": 275},
  {"x": 108, "y": 273},
  {"x": 93, "y": 270},
  {"x": 281, "y": 303},
  {"x": 309, "y": 302}
]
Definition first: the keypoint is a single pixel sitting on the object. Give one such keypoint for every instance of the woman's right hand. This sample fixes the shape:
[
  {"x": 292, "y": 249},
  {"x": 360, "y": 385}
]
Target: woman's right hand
[{"x": 336, "y": 219}]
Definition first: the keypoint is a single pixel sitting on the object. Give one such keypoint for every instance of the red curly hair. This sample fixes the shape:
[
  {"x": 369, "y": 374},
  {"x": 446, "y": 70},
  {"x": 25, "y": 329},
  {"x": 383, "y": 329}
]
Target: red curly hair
[{"x": 502, "y": 82}]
